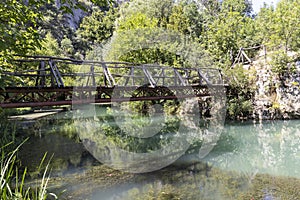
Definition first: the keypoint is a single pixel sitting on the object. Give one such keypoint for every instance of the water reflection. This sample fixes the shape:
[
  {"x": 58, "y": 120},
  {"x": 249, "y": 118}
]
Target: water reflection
[
  {"x": 272, "y": 147},
  {"x": 115, "y": 139},
  {"x": 66, "y": 155},
  {"x": 249, "y": 161},
  {"x": 145, "y": 136}
]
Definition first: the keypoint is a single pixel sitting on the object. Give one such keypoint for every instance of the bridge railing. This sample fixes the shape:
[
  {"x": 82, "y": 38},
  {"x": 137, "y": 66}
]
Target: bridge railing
[
  {"x": 48, "y": 81},
  {"x": 45, "y": 71}
]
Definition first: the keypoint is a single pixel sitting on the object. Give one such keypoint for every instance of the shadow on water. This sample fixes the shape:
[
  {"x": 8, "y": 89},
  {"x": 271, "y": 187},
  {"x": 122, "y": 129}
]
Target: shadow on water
[
  {"x": 250, "y": 161},
  {"x": 68, "y": 156}
]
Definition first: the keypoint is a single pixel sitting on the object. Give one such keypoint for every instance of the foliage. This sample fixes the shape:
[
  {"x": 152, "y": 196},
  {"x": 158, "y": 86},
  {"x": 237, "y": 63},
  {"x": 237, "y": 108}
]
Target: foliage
[
  {"x": 279, "y": 27},
  {"x": 141, "y": 46},
  {"x": 241, "y": 92},
  {"x": 18, "y": 31},
  {"x": 142, "y": 36},
  {"x": 97, "y": 27},
  {"x": 287, "y": 21},
  {"x": 21, "y": 20},
  {"x": 49, "y": 46},
  {"x": 133, "y": 40},
  {"x": 239, "y": 108},
  {"x": 264, "y": 24},
  {"x": 24, "y": 24},
  {"x": 136, "y": 21},
  {"x": 186, "y": 19},
  {"x": 67, "y": 47},
  {"x": 241, "y": 6},
  {"x": 12, "y": 181},
  {"x": 281, "y": 63},
  {"x": 230, "y": 30},
  {"x": 161, "y": 10},
  {"x": 54, "y": 21},
  {"x": 96, "y": 53},
  {"x": 139, "y": 35},
  {"x": 156, "y": 45}
]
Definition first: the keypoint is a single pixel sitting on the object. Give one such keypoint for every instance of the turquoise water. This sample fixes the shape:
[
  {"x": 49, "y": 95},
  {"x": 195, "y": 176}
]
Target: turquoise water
[
  {"x": 246, "y": 149},
  {"x": 256, "y": 157},
  {"x": 272, "y": 147}
]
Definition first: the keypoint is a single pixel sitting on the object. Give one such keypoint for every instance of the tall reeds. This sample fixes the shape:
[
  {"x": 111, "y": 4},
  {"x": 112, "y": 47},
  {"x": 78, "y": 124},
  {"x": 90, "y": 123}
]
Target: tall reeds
[{"x": 12, "y": 180}]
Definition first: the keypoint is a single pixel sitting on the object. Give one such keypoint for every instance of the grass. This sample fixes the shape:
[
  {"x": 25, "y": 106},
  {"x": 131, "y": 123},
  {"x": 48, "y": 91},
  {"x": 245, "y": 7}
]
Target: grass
[
  {"x": 12, "y": 180},
  {"x": 12, "y": 175}
]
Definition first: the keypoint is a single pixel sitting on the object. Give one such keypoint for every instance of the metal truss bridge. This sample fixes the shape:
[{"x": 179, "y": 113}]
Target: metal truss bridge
[{"x": 51, "y": 81}]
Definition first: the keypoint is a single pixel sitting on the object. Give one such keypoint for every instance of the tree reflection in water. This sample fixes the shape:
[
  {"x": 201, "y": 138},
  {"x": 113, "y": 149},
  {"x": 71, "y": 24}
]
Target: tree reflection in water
[{"x": 272, "y": 147}]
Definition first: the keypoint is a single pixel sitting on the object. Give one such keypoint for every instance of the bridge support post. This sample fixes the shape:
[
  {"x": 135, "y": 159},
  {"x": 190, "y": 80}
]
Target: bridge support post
[{"x": 41, "y": 78}]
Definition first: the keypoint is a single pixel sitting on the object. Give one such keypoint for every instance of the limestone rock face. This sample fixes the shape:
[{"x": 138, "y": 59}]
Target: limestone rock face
[{"x": 277, "y": 97}]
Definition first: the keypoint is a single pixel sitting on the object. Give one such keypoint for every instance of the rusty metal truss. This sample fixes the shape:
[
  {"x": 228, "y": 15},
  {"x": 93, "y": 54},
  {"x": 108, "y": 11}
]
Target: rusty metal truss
[{"x": 52, "y": 81}]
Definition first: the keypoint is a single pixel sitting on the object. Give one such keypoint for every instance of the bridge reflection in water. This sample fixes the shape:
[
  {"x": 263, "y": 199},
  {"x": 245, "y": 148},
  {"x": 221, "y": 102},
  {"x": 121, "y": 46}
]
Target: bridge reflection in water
[{"x": 52, "y": 81}]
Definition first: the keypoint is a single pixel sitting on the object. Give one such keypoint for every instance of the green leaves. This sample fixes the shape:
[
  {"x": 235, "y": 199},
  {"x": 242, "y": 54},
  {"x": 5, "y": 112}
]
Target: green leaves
[
  {"x": 17, "y": 28},
  {"x": 162, "y": 32},
  {"x": 280, "y": 26},
  {"x": 281, "y": 63},
  {"x": 241, "y": 6},
  {"x": 240, "y": 92},
  {"x": 49, "y": 47},
  {"x": 231, "y": 28},
  {"x": 136, "y": 21},
  {"x": 227, "y": 34},
  {"x": 19, "y": 23},
  {"x": 186, "y": 19},
  {"x": 97, "y": 27}
]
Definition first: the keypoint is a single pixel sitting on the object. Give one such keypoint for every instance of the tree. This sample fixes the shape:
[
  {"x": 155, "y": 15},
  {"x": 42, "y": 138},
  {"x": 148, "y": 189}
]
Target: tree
[
  {"x": 97, "y": 27},
  {"x": 145, "y": 34},
  {"x": 240, "y": 92},
  {"x": 18, "y": 32},
  {"x": 139, "y": 40},
  {"x": 226, "y": 34},
  {"x": 280, "y": 26},
  {"x": 287, "y": 16},
  {"x": 229, "y": 30},
  {"x": 161, "y": 10},
  {"x": 156, "y": 45},
  {"x": 264, "y": 24},
  {"x": 49, "y": 46},
  {"x": 67, "y": 47},
  {"x": 186, "y": 18},
  {"x": 241, "y": 6},
  {"x": 210, "y": 7},
  {"x": 19, "y": 23}
]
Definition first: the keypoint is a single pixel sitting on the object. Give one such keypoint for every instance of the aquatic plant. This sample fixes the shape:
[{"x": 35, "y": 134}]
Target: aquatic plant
[{"x": 12, "y": 180}]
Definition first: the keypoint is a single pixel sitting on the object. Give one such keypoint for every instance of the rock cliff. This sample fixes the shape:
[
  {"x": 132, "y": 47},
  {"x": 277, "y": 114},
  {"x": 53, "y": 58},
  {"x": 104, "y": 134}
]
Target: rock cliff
[{"x": 276, "y": 96}]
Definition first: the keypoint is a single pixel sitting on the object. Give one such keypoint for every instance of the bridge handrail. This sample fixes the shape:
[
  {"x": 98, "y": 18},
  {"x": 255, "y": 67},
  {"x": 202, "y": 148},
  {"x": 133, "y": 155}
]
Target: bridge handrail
[
  {"x": 82, "y": 62},
  {"x": 39, "y": 58},
  {"x": 109, "y": 73}
]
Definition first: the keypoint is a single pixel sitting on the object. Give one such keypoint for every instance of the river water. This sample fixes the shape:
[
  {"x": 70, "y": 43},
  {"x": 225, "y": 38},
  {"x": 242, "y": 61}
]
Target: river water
[{"x": 249, "y": 161}]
